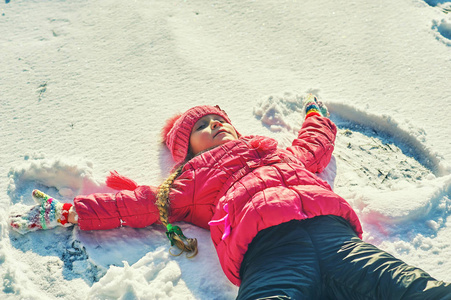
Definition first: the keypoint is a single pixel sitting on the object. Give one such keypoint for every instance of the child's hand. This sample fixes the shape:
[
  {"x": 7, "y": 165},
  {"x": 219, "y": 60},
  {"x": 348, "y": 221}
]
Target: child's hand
[
  {"x": 28, "y": 221},
  {"x": 47, "y": 214},
  {"x": 314, "y": 107}
]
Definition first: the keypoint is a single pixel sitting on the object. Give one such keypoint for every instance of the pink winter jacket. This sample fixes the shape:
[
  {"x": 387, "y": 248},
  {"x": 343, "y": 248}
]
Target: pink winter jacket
[{"x": 249, "y": 184}]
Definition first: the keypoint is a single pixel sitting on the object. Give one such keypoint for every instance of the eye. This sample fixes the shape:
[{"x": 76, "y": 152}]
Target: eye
[{"x": 201, "y": 126}]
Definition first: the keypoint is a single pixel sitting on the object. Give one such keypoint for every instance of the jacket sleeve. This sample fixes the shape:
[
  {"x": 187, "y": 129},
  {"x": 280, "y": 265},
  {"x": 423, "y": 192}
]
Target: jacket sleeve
[
  {"x": 315, "y": 143},
  {"x": 134, "y": 208},
  {"x": 110, "y": 210}
]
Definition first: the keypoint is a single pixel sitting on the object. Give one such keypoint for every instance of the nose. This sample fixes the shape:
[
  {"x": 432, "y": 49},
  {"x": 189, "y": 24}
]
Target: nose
[{"x": 215, "y": 123}]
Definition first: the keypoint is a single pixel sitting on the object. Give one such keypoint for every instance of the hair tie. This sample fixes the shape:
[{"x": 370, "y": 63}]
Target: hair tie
[{"x": 174, "y": 231}]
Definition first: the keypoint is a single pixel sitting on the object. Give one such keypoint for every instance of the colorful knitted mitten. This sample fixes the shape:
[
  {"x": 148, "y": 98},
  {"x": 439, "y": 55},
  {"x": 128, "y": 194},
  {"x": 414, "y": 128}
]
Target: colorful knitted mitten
[
  {"x": 314, "y": 107},
  {"x": 47, "y": 214}
]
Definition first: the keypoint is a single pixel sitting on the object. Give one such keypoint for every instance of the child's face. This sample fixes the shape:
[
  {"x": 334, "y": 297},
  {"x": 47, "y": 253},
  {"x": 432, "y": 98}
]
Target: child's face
[{"x": 211, "y": 131}]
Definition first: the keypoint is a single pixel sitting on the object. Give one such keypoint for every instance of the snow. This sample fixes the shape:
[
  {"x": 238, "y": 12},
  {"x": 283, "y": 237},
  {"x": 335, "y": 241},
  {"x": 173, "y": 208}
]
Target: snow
[{"x": 86, "y": 86}]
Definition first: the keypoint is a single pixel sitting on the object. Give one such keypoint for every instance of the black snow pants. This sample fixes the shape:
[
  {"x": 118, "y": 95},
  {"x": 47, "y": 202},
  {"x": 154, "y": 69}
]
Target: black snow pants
[{"x": 322, "y": 258}]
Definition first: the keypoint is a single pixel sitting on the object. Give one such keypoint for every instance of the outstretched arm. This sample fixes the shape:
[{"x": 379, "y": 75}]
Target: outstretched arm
[
  {"x": 91, "y": 212},
  {"x": 315, "y": 142},
  {"x": 134, "y": 206}
]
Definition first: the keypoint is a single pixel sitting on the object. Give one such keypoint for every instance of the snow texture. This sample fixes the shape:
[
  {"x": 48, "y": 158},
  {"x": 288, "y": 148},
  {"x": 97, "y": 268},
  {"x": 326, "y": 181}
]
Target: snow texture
[{"x": 86, "y": 86}]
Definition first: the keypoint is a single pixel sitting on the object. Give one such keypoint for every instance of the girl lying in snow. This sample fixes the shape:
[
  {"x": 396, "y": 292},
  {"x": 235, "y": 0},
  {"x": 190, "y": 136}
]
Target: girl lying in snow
[{"x": 279, "y": 230}]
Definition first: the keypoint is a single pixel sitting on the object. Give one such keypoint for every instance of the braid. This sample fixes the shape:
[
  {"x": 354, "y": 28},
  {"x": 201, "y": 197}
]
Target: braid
[
  {"x": 163, "y": 196},
  {"x": 174, "y": 233}
]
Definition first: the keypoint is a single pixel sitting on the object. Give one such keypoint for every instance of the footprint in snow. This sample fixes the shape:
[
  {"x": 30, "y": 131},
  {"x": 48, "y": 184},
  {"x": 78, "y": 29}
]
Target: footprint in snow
[
  {"x": 442, "y": 28},
  {"x": 438, "y": 3}
]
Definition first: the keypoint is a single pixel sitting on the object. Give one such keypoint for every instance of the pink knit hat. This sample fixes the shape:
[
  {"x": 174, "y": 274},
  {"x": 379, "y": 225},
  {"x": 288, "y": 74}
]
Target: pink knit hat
[{"x": 176, "y": 133}]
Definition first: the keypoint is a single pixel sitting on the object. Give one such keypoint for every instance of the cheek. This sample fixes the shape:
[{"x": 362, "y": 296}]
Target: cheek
[
  {"x": 202, "y": 136},
  {"x": 199, "y": 140},
  {"x": 232, "y": 129}
]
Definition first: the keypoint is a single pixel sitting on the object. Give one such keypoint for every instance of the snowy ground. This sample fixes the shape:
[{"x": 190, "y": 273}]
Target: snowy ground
[{"x": 85, "y": 87}]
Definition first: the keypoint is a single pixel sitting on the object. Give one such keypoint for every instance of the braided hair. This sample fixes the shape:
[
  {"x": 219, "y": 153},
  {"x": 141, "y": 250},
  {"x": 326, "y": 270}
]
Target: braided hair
[{"x": 174, "y": 233}]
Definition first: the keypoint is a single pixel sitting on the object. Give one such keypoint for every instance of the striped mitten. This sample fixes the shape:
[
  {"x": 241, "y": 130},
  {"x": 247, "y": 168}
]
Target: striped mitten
[
  {"x": 47, "y": 214},
  {"x": 314, "y": 107}
]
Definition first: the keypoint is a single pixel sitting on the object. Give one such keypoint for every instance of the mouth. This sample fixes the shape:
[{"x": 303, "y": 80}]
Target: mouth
[{"x": 219, "y": 132}]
